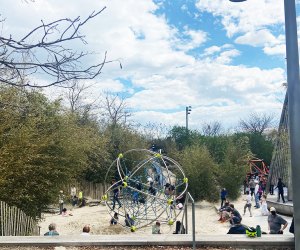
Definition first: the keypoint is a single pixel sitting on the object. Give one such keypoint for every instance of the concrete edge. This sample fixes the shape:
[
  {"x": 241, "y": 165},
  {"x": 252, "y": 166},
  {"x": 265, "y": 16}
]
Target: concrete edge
[{"x": 161, "y": 240}]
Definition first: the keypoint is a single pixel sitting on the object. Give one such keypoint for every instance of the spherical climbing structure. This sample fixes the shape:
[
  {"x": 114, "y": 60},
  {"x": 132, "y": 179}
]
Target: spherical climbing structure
[{"x": 145, "y": 186}]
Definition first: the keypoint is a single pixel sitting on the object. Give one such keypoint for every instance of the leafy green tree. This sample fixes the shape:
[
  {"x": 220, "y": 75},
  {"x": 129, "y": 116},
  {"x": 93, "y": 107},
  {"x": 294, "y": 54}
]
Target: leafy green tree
[
  {"x": 182, "y": 137},
  {"x": 261, "y": 147},
  {"x": 42, "y": 149},
  {"x": 200, "y": 170},
  {"x": 217, "y": 146},
  {"x": 232, "y": 170}
]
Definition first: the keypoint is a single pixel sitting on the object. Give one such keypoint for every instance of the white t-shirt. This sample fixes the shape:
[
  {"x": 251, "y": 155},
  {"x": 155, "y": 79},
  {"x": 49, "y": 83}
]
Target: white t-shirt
[
  {"x": 256, "y": 188},
  {"x": 73, "y": 191},
  {"x": 248, "y": 199}
]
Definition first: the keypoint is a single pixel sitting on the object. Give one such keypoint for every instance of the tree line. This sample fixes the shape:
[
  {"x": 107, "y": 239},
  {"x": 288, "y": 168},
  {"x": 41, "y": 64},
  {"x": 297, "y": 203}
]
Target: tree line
[{"x": 45, "y": 145}]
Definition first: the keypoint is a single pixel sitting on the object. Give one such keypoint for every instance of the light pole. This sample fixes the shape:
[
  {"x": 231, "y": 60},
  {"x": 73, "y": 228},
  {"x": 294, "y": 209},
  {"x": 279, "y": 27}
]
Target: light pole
[
  {"x": 292, "y": 57},
  {"x": 188, "y": 110}
]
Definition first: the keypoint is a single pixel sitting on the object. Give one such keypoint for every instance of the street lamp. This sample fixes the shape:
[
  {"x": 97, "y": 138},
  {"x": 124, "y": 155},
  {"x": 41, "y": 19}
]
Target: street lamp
[
  {"x": 188, "y": 110},
  {"x": 293, "y": 90}
]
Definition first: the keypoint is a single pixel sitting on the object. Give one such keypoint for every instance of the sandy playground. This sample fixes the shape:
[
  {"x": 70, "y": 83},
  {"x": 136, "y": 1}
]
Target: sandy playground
[{"x": 98, "y": 218}]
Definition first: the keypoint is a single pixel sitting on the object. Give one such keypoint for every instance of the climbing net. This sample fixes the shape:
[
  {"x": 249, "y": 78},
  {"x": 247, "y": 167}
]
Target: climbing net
[{"x": 145, "y": 187}]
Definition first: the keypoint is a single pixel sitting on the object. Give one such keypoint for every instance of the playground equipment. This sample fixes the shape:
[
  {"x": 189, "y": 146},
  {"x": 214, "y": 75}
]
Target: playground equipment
[
  {"x": 257, "y": 167},
  {"x": 145, "y": 187}
]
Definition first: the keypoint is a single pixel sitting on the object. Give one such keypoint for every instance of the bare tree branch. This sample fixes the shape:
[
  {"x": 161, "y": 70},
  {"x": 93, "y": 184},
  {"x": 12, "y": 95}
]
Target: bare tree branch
[
  {"x": 48, "y": 54},
  {"x": 212, "y": 129},
  {"x": 115, "y": 109},
  {"x": 256, "y": 123}
]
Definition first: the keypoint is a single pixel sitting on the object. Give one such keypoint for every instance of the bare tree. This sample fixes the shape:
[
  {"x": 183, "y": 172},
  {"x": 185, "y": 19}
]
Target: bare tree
[
  {"x": 115, "y": 109},
  {"x": 75, "y": 95},
  {"x": 153, "y": 131},
  {"x": 211, "y": 129},
  {"x": 44, "y": 50},
  {"x": 256, "y": 123}
]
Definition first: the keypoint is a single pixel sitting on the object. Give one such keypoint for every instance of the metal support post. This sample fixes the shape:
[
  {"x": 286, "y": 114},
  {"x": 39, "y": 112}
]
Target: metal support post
[
  {"x": 193, "y": 220},
  {"x": 293, "y": 105}
]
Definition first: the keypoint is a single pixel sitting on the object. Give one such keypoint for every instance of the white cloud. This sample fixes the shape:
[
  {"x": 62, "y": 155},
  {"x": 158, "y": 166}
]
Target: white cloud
[
  {"x": 245, "y": 16},
  {"x": 162, "y": 75},
  {"x": 196, "y": 38},
  {"x": 264, "y": 38},
  {"x": 226, "y": 56},
  {"x": 257, "y": 38},
  {"x": 275, "y": 50},
  {"x": 254, "y": 19}
]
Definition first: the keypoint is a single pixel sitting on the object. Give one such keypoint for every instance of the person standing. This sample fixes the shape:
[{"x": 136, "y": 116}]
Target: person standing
[
  {"x": 276, "y": 223},
  {"x": 73, "y": 195},
  {"x": 80, "y": 199},
  {"x": 248, "y": 204},
  {"x": 61, "y": 198},
  {"x": 256, "y": 195},
  {"x": 252, "y": 186},
  {"x": 280, "y": 187},
  {"x": 116, "y": 191},
  {"x": 223, "y": 196},
  {"x": 264, "y": 206}
]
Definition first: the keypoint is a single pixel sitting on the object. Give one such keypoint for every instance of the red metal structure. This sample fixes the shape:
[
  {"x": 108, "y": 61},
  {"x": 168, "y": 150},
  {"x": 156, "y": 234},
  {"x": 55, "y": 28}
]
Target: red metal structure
[{"x": 257, "y": 167}]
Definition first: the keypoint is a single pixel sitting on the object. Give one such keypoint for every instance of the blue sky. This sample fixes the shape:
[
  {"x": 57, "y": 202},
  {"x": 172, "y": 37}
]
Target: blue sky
[{"x": 224, "y": 59}]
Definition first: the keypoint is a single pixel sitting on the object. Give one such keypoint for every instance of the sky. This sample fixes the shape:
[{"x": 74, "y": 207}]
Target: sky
[{"x": 225, "y": 60}]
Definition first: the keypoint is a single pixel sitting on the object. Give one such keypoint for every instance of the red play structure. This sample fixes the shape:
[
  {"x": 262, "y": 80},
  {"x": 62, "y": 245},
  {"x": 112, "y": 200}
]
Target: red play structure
[{"x": 257, "y": 167}]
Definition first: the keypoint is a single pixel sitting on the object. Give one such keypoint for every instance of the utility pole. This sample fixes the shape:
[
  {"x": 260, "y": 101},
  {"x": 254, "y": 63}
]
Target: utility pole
[{"x": 188, "y": 109}]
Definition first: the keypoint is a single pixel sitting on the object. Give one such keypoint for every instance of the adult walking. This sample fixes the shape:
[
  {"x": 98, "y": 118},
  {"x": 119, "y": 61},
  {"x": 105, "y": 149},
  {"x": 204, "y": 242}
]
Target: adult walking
[{"x": 280, "y": 187}]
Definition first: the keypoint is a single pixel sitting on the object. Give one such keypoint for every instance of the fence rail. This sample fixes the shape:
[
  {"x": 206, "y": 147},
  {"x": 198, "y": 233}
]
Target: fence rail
[
  {"x": 89, "y": 189},
  {"x": 14, "y": 222}
]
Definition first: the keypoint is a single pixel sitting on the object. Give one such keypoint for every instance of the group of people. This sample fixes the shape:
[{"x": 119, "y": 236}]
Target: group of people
[
  {"x": 276, "y": 223},
  {"x": 53, "y": 232},
  {"x": 75, "y": 200},
  {"x": 227, "y": 212}
]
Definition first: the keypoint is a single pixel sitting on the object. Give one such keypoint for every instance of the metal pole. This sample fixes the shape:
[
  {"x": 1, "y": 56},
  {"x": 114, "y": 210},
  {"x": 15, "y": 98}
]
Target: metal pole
[
  {"x": 293, "y": 105},
  {"x": 186, "y": 118},
  {"x": 193, "y": 221},
  {"x": 186, "y": 217}
]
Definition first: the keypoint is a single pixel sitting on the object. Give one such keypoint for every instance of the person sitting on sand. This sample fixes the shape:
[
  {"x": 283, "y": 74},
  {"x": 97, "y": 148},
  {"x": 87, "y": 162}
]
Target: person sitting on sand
[
  {"x": 86, "y": 230},
  {"x": 156, "y": 228},
  {"x": 52, "y": 230},
  {"x": 224, "y": 212},
  {"x": 128, "y": 221},
  {"x": 65, "y": 213},
  {"x": 237, "y": 227},
  {"x": 234, "y": 213},
  {"x": 114, "y": 220}
]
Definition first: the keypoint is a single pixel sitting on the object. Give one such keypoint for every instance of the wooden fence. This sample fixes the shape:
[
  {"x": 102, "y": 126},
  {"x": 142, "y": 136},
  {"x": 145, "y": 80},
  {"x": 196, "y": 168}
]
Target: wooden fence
[
  {"x": 93, "y": 190},
  {"x": 89, "y": 189},
  {"x": 14, "y": 222}
]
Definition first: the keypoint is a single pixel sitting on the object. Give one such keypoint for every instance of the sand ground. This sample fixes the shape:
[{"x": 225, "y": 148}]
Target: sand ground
[{"x": 98, "y": 218}]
